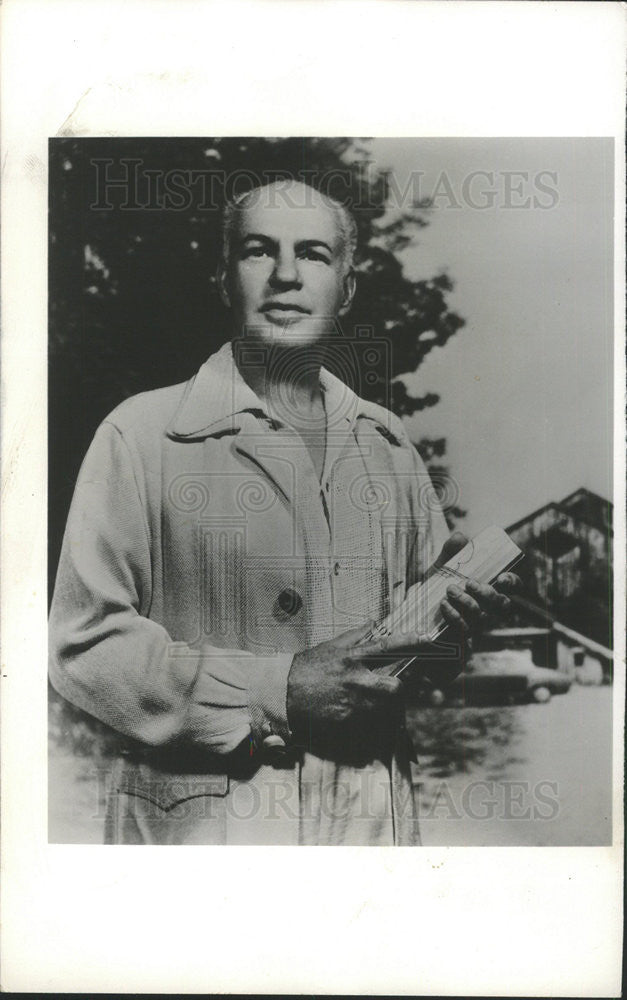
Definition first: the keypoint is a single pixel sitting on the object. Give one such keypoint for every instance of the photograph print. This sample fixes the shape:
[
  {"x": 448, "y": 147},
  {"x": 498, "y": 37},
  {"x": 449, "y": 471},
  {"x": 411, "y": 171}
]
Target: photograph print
[{"x": 330, "y": 491}]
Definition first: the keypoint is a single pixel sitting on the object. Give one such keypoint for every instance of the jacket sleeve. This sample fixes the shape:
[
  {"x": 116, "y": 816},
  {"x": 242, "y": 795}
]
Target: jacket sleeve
[{"x": 109, "y": 658}]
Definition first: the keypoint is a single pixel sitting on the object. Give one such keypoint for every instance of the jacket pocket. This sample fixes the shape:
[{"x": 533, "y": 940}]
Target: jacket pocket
[{"x": 167, "y": 789}]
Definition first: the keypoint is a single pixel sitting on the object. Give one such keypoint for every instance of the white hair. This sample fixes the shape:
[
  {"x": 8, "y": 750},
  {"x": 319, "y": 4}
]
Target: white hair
[{"x": 346, "y": 223}]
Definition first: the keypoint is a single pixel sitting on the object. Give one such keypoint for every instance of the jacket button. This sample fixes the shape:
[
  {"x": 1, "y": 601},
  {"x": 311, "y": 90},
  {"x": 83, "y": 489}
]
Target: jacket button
[
  {"x": 289, "y": 601},
  {"x": 336, "y": 569}
]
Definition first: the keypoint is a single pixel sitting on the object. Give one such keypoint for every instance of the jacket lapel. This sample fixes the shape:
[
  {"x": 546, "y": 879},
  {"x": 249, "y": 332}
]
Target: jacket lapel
[
  {"x": 273, "y": 452},
  {"x": 218, "y": 401}
]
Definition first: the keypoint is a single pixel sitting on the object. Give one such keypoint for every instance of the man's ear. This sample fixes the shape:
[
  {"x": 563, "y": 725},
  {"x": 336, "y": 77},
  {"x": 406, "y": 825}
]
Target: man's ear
[
  {"x": 350, "y": 284},
  {"x": 223, "y": 283}
]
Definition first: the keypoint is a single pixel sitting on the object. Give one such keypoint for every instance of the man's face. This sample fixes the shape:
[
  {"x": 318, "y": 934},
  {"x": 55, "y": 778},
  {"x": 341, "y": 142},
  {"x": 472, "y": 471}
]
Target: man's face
[{"x": 287, "y": 278}]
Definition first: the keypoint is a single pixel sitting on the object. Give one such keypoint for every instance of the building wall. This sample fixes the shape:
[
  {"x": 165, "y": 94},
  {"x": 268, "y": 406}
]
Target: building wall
[
  {"x": 525, "y": 533},
  {"x": 593, "y": 554},
  {"x": 539, "y": 569},
  {"x": 567, "y": 574}
]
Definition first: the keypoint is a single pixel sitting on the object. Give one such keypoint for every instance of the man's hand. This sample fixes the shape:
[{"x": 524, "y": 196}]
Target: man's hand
[
  {"x": 337, "y": 707},
  {"x": 468, "y": 607},
  {"x": 467, "y": 610}
]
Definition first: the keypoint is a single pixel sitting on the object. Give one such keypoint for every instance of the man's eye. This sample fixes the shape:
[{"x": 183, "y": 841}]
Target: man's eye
[
  {"x": 310, "y": 254},
  {"x": 254, "y": 252}
]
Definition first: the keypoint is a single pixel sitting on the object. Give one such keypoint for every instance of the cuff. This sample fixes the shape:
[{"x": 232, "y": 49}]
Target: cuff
[{"x": 267, "y": 699}]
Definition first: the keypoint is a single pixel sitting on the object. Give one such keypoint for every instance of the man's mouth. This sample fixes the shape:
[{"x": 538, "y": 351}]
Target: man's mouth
[{"x": 283, "y": 310}]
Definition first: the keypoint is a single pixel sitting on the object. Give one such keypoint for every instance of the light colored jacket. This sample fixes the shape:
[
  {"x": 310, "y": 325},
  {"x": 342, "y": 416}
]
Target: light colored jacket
[{"x": 201, "y": 552}]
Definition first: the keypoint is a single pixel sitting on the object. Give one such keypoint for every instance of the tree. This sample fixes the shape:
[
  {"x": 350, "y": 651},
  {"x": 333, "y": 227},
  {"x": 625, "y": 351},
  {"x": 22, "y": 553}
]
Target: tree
[{"x": 133, "y": 301}]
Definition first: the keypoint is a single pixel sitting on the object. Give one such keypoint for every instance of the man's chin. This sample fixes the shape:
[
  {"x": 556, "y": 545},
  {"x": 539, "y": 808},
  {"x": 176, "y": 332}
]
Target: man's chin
[{"x": 290, "y": 332}]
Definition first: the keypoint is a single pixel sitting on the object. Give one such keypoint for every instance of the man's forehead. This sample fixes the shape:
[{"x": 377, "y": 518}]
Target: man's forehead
[{"x": 296, "y": 212}]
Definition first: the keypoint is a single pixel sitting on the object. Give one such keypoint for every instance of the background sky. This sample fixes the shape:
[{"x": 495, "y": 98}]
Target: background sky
[{"x": 526, "y": 385}]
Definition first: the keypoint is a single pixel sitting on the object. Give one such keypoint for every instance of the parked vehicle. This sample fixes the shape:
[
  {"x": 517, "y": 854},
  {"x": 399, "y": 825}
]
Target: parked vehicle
[{"x": 508, "y": 676}]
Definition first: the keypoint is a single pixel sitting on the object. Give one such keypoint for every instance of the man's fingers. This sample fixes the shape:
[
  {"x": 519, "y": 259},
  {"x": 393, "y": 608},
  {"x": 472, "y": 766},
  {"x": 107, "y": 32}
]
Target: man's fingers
[
  {"x": 508, "y": 583},
  {"x": 487, "y": 597},
  {"x": 395, "y": 645},
  {"x": 353, "y": 636},
  {"x": 373, "y": 686},
  {"x": 385, "y": 684},
  {"x": 469, "y": 606},
  {"x": 453, "y": 617},
  {"x": 464, "y": 603},
  {"x": 451, "y": 547}
]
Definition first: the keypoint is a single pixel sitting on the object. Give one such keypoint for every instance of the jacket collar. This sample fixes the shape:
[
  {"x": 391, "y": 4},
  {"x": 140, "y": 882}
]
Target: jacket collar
[{"x": 217, "y": 397}]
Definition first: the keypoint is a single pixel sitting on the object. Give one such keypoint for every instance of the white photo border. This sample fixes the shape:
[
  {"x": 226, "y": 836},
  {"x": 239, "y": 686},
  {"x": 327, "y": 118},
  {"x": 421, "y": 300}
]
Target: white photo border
[{"x": 449, "y": 921}]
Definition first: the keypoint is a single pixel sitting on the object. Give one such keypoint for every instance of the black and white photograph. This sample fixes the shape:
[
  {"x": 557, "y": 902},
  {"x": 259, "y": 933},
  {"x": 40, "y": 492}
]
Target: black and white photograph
[
  {"x": 312, "y": 424},
  {"x": 330, "y": 481}
]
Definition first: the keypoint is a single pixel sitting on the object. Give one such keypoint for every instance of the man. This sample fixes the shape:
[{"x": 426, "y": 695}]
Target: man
[{"x": 230, "y": 542}]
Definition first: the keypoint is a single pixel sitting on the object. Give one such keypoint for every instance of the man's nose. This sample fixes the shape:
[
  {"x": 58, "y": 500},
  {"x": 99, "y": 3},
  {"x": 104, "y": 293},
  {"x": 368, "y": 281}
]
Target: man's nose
[{"x": 285, "y": 270}]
